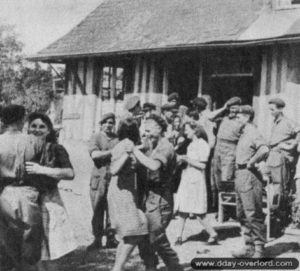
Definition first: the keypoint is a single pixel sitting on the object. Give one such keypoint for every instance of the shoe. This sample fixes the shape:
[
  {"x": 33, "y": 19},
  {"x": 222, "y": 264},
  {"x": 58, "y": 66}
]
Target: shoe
[
  {"x": 259, "y": 252},
  {"x": 112, "y": 243},
  {"x": 97, "y": 244},
  {"x": 212, "y": 240},
  {"x": 178, "y": 242},
  {"x": 245, "y": 252}
]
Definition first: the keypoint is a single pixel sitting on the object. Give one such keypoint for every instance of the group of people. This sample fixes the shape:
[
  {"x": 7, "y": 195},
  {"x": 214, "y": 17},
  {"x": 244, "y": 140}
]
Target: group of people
[
  {"x": 193, "y": 153},
  {"x": 153, "y": 164},
  {"x": 34, "y": 226}
]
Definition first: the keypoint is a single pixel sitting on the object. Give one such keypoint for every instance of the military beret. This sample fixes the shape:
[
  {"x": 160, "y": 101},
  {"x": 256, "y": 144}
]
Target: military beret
[
  {"x": 173, "y": 96},
  {"x": 107, "y": 116},
  {"x": 246, "y": 109},
  {"x": 234, "y": 101},
  {"x": 132, "y": 102},
  {"x": 12, "y": 113},
  {"x": 277, "y": 101},
  {"x": 149, "y": 106},
  {"x": 199, "y": 101},
  {"x": 168, "y": 107}
]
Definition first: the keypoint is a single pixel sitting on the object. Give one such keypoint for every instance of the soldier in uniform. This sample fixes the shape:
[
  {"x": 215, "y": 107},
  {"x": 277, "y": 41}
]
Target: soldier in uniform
[
  {"x": 281, "y": 161},
  {"x": 223, "y": 162},
  {"x": 158, "y": 206},
  {"x": 133, "y": 106},
  {"x": 148, "y": 109},
  {"x": 100, "y": 146},
  {"x": 174, "y": 99},
  {"x": 251, "y": 149}
]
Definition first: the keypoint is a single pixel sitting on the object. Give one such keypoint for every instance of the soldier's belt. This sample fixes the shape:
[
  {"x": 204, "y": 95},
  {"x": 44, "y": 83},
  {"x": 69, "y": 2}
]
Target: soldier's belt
[{"x": 243, "y": 166}]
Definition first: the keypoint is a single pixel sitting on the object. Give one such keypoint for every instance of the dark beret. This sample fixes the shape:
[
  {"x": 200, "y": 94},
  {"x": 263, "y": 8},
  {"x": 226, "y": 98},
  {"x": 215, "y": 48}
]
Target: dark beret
[
  {"x": 277, "y": 101},
  {"x": 107, "y": 116},
  {"x": 12, "y": 113},
  {"x": 149, "y": 106},
  {"x": 199, "y": 101},
  {"x": 168, "y": 107},
  {"x": 246, "y": 109},
  {"x": 173, "y": 96},
  {"x": 234, "y": 101},
  {"x": 132, "y": 102}
]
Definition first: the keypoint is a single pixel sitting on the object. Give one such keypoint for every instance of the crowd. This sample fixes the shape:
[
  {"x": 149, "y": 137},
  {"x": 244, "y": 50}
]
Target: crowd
[{"x": 154, "y": 164}]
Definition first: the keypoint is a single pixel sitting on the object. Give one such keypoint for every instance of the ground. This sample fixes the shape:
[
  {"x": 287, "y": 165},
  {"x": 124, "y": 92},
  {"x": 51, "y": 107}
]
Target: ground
[{"x": 76, "y": 198}]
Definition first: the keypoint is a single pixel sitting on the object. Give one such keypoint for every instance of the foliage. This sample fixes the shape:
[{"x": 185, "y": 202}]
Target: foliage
[{"x": 20, "y": 83}]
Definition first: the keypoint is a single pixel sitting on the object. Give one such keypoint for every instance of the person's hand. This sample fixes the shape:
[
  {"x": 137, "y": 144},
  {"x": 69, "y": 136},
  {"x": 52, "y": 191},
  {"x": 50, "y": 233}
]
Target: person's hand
[
  {"x": 128, "y": 145},
  {"x": 182, "y": 158},
  {"x": 250, "y": 165},
  {"x": 33, "y": 168}
]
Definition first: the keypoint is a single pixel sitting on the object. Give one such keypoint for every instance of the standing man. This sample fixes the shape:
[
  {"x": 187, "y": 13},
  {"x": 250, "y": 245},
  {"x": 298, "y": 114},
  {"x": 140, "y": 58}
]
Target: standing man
[
  {"x": 100, "y": 146},
  {"x": 160, "y": 163},
  {"x": 133, "y": 106},
  {"x": 174, "y": 99},
  {"x": 251, "y": 149},
  {"x": 223, "y": 162},
  {"x": 148, "y": 109},
  {"x": 280, "y": 164}
]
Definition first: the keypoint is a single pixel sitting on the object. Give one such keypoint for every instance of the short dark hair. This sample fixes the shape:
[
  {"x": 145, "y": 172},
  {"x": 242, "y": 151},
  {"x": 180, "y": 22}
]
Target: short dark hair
[
  {"x": 159, "y": 120},
  {"x": 51, "y": 137},
  {"x": 12, "y": 113},
  {"x": 199, "y": 130},
  {"x": 128, "y": 128}
]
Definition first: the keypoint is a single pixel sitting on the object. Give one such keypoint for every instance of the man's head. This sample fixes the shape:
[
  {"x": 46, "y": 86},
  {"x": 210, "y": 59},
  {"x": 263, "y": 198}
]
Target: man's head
[
  {"x": 245, "y": 114},
  {"x": 133, "y": 105},
  {"x": 168, "y": 112},
  {"x": 232, "y": 105},
  {"x": 173, "y": 99},
  {"x": 276, "y": 106},
  {"x": 13, "y": 115},
  {"x": 108, "y": 122},
  {"x": 199, "y": 104},
  {"x": 148, "y": 109},
  {"x": 155, "y": 126}
]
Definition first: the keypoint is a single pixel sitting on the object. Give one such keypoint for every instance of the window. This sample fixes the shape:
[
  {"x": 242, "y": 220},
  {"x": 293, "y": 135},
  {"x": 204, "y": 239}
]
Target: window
[{"x": 112, "y": 83}]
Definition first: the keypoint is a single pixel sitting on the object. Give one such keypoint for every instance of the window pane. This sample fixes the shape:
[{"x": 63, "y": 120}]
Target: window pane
[{"x": 106, "y": 77}]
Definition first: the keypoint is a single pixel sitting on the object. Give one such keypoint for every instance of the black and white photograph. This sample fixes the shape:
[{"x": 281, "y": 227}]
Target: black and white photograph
[{"x": 149, "y": 135}]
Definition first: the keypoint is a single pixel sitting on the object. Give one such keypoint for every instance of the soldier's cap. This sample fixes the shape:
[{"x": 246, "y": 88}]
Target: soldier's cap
[
  {"x": 132, "y": 102},
  {"x": 168, "y": 107},
  {"x": 278, "y": 102},
  {"x": 246, "y": 109},
  {"x": 234, "y": 101},
  {"x": 12, "y": 113},
  {"x": 148, "y": 107},
  {"x": 199, "y": 102},
  {"x": 107, "y": 116},
  {"x": 173, "y": 96}
]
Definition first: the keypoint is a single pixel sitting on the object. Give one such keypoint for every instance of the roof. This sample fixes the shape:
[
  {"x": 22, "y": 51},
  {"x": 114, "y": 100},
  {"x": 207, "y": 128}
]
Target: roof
[{"x": 131, "y": 26}]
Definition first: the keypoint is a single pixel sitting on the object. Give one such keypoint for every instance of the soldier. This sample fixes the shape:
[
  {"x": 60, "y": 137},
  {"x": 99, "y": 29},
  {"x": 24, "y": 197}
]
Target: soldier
[
  {"x": 280, "y": 164},
  {"x": 160, "y": 164},
  {"x": 168, "y": 112},
  {"x": 133, "y": 106},
  {"x": 174, "y": 99},
  {"x": 100, "y": 146},
  {"x": 251, "y": 149},
  {"x": 223, "y": 162},
  {"x": 148, "y": 109}
]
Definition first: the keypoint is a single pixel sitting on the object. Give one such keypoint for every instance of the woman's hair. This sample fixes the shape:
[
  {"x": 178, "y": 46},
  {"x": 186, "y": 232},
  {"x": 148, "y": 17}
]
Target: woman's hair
[
  {"x": 159, "y": 120},
  {"x": 199, "y": 130},
  {"x": 51, "y": 137},
  {"x": 128, "y": 128}
]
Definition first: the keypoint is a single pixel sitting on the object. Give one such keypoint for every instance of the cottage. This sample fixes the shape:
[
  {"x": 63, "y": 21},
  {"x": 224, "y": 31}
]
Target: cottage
[{"x": 221, "y": 48}]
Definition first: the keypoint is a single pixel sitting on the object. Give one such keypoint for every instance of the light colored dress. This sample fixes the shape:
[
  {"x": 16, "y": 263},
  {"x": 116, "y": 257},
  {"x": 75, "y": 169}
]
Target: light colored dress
[
  {"x": 126, "y": 218},
  {"x": 192, "y": 192}
]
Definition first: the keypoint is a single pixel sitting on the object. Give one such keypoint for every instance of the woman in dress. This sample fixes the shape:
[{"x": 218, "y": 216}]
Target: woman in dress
[
  {"x": 127, "y": 219},
  {"x": 53, "y": 166},
  {"x": 192, "y": 193}
]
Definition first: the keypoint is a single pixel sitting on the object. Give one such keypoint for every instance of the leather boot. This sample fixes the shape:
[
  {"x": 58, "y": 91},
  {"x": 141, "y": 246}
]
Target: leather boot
[
  {"x": 246, "y": 252},
  {"x": 259, "y": 251}
]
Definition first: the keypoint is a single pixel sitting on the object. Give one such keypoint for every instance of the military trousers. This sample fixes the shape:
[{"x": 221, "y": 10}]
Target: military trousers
[
  {"x": 249, "y": 190},
  {"x": 159, "y": 214}
]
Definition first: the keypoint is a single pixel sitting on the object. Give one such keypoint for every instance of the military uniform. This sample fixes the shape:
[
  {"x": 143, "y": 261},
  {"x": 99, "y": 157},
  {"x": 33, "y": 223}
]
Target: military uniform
[
  {"x": 248, "y": 187},
  {"x": 224, "y": 154},
  {"x": 100, "y": 180},
  {"x": 158, "y": 206}
]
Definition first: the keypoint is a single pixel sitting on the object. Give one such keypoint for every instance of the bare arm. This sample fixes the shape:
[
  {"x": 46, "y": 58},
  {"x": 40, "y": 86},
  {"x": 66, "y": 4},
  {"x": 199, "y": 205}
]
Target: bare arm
[
  {"x": 146, "y": 161},
  {"x": 97, "y": 154},
  {"x": 196, "y": 164},
  {"x": 215, "y": 114},
  {"x": 259, "y": 156},
  {"x": 56, "y": 173}
]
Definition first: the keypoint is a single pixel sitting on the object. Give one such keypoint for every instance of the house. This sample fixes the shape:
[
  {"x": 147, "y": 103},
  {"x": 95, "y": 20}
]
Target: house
[{"x": 220, "y": 48}]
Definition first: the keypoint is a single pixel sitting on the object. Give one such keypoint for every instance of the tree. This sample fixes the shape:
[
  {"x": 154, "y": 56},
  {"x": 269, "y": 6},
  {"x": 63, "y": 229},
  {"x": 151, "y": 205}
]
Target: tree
[{"x": 21, "y": 84}]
